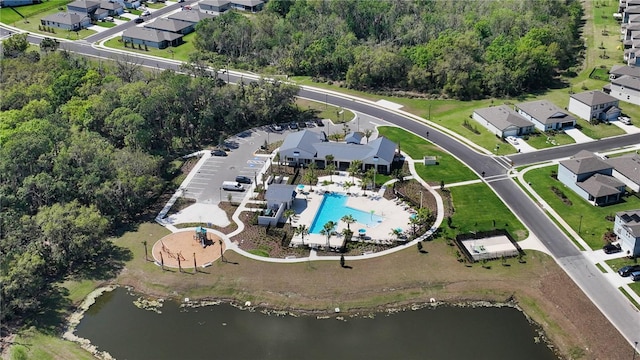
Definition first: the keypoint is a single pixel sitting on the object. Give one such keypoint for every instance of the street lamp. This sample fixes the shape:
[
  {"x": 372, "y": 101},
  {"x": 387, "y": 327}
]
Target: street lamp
[
  {"x": 375, "y": 171},
  {"x": 580, "y": 226},
  {"x": 635, "y": 346}
]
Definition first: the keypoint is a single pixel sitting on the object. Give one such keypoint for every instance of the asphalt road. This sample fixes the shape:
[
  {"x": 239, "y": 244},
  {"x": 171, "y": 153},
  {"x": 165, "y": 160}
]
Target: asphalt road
[{"x": 609, "y": 300}]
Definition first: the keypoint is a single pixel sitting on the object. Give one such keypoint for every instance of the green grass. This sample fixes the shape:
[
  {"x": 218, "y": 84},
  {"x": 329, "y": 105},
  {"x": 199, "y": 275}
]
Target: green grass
[
  {"x": 10, "y": 17},
  {"x": 617, "y": 264},
  {"x": 542, "y": 140},
  {"x": 259, "y": 252},
  {"x": 633, "y": 301},
  {"x": 449, "y": 169},
  {"x": 155, "y": 6},
  {"x": 178, "y": 53},
  {"x": 325, "y": 111},
  {"x": 32, "y": 344},
  {"x": 587, "y": 220},
  {"x": 476, "y": 209},
  {"x": 105, "y": 24},
  {"x": 601, "y": 268},
  {"x": 135, "y": 12},
  {"x": 635, "y": 286},
  {"x": 599, "y": 131}
]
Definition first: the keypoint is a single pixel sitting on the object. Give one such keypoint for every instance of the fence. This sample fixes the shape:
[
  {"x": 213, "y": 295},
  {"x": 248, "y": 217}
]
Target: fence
[{"x": 487, "y": 255}]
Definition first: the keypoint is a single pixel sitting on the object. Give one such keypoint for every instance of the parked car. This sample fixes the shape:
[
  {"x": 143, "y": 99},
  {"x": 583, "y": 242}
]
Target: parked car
[
  {"x": 243, "y": 179},
  {"x": 512, "y": 139},
  {"x": 635, "y": 275},
  {"x": 232, "y": 186},
  {"x": 218, "y": 152},
  {"x": 311, "y": 123},
  {"x": 138, "y": 20},
  {"x": 109, "y": 19},
  {"x": 302, "y": 124},
  {"x": 627, "y": 270},
  {"x": 293, "y": 126},
  {"x": 146, "y": 13},
  {"x": 319, "y": 122},
  {"x": 276, "y": 127},
  {"x": 625, "y": 120},
  {"x": 611, "y": 248}
]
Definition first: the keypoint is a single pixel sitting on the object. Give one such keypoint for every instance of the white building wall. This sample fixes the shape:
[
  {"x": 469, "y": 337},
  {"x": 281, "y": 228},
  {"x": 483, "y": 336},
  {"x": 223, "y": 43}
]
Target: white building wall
[
  {"x": 582, "y": 110},
  {"x": 625, "y": 94},
  {"x": 537, "y": 124},
  {"x": 484, "y": 122},
  {"x": 629, "y": 244},
  {"x": 633, "y": 186}
]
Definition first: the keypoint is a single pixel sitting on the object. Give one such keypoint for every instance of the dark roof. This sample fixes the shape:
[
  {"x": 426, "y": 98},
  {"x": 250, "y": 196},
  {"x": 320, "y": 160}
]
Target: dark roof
[
  {"x": 585, "y": 162},
  {"x": 545, "y": 112},
  {"x": 192, "y": 16},
  {"x": 627, "y": 165},
  {"x": 631, "y": 217},
  {"x": 64, "y": 18},
  {"x": 503, "y": 117},
  {"x": 250, "y": 3},
  {"x": 150, "y": 34},
  {"x": 620, "y": 70},
  {"x": 280, "y": 192},
  {"x": 168, "y": 25},
  {"x": 627, "y": 81},
  {"x": 599, "y": 185},
  {"x": 354, "y": 137},
  {"x": 110, "y": 5},
  {"x": 594, "y": 97},
  {"x": 84, "y": 4}
]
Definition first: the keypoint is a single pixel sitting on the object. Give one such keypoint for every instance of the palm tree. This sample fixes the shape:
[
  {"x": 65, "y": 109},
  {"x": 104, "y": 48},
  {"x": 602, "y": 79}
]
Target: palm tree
[
  {"x": 354, "y": 168},
  {"x": 347, "y": 233},
  {"x": 288, "y": 214},
  {"x": 276, "y": 159},
  {"x": 397, "y": 232},
  {"x": 348, "y": 219},
  {"x": 328, "y": 159},
  {"x": 423, "y": 215},
  {"x": 367, "y": 177},
  {"x": 302, "y": 230},
  {"x": 327, "y": 230},
  {"x": 414, "y": 221},
  {"x": 347, "y": 185},
  {"x": 331, "y": 168},
  {"x": 367, "y": 134}
]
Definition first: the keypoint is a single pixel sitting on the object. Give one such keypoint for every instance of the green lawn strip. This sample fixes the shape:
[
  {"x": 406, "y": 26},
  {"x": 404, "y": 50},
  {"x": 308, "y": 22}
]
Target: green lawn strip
[
  {"x": 178, "y": 53},
  {"x": 545, "y": 140},
  {"x": 307, "y": 81},
  {"x": 106, "y": 24},
  {"x": 599, "y": 131},
  {"x": 10, "y": 17},
  {"x": 588, "y": 220},
  {"x": 602, "y": 269},
  {"x": 154, "y": 5},
  {"x": 325, "y": 111},
  {"x": 449, "y": 169},
  {"x": 615, "y": 155},
  {"x": 477, "y": 208},
  {"x": 33, "y": 344},
  {"x": 617, "y": 264},
  {"x": 636, "y": 289},
  {"x": 135, "y": 12},
  {"x": 33, "y": 25}
]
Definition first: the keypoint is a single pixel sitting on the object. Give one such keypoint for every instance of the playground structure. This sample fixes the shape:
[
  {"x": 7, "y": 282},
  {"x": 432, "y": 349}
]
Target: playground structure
[
  {"x": 165, "y": 250},
  {"x": 201, "y": 236}
]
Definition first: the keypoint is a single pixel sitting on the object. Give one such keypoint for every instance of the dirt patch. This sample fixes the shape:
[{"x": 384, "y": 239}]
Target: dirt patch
[{"x": 181, "y": 248}]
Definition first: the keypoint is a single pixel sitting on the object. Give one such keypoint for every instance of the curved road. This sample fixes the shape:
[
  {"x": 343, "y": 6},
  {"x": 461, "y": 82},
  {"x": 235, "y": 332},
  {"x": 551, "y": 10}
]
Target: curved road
[{"x": 624, "y": 316}]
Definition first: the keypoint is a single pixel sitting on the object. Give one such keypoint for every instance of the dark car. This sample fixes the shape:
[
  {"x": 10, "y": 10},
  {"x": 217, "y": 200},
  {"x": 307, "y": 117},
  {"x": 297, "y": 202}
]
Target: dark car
[
  {"x": 635, "y": 275},
  {"x": 627, "y": 270},
  {"x": 293, "y": 126},
  {"x": 243, "y": 179},
  {"x": 612, "y": 248},
  {"x": 319, "y": 122},
  {"x": 138, "y": 20},
  {"x": 218, "y": 152},
  {"x": 302, "y": 124}
]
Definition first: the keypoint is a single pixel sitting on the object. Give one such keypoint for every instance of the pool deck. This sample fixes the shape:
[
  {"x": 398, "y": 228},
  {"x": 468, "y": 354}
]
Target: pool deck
[{"x": 307, "y": 204}]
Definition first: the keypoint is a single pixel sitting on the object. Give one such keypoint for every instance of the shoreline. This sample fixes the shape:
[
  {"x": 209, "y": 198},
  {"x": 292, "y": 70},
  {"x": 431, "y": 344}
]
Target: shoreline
[{"x": 145, "y": 303}]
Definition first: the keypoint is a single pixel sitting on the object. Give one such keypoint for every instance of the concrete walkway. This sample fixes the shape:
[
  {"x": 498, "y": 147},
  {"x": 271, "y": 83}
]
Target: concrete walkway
[{"x": 577, "y": 135}]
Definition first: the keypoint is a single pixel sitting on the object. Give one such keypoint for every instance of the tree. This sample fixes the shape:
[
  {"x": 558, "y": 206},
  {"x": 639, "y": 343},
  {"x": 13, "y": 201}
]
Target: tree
[
  {"x": 397, "y": 232},
  {"x": 302, "y": 230},
  {"x": 342, "y": 262},
  {"x": 288, "y": 214},
  {"x": 367, "y": 134},
  {"x": 330, "y": 166},
  {"x": 327, "y": 230},
  {"x": 48, "y": 44},
  {"x": 348, "y": 219},
  {"x": 15, "y": 45},
  {"x": 128, "y": 68},
  {"x": 354, "y": 168}
]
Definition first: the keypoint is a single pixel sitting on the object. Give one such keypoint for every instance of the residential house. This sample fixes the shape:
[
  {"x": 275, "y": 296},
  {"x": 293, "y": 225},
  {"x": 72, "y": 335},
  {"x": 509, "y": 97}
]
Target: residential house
[
  {"x": 591, "y": 178},
  {"x": 247, "y": 5},
  {"x": 279, "y": 198},
  {"x": 626, "y": 88},
  {"x": 619, "y": 70},
  {"x": 151, "y": 37},
  {"x": 545, "y": 115},
  {"x": 129, "y": 4},
  {"x": 627, "y": 227},
  {"x": 113, "y": 8},
  {"x": 214, "y": 7},
  {"x": 503, "y": 121},
  {"x": 628, "y": 11},
  {"x": 66, "y": 21},
  {"x": 626, "y": 168},
  {"x": 12, "y": 3},
  {"x": 174, "y": 26},
  {"x": 191, "y": 16},
  {"x": 84, "y": 7},
  {"x": 305, "y": 147},
  {"x": 595, "y": 104}
]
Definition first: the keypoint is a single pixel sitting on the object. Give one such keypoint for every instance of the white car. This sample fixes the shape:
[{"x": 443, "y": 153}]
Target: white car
[
  {"x": 625, "y": 120},
  {"x": 146, "y": 13},
  {"x": 512, "y": 139}
]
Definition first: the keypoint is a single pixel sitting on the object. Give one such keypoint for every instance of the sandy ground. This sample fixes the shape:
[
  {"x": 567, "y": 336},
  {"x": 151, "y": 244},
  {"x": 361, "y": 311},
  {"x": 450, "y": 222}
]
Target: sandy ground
[{"x": 182, "y": 245}]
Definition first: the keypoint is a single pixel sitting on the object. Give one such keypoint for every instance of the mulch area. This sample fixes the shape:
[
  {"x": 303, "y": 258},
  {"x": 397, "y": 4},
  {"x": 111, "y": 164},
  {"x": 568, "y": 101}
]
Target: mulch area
[{"x": 182, "y": 245}]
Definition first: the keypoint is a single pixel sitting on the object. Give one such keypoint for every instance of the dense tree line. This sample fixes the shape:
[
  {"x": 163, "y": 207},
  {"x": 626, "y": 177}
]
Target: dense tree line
[
  {"x": 86, "y": 148},
  {"x": 462, "y": 49}
]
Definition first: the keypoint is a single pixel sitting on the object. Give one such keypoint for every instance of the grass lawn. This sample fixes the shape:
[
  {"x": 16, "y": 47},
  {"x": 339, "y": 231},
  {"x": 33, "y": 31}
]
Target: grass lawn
[
  {"x": 588, "y": 220},
  {"x": 599, "y": 131},
  {"x": 477, "y": 208},
  {"x": 617, "y": 264},
  {"x": 10, "y": 17},
  {"x": 33, "y": 344},
  {"x": 135, "y": 12},
  {"x": 105, "y": 24},
  {"x": 154, "y": 5},
  {"x": 449, "y": 169},
  {"x": 541, "y": 140},
  {"x": 178, "y": 53},
  {"x": 325, "y": 111}
]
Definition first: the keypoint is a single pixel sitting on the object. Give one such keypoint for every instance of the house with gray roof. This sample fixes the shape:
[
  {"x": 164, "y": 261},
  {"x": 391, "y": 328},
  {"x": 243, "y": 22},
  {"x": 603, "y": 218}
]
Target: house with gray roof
[
  {"x": 591, "y": 178},
  {"x": 619, "y": 70},
  {"x": 627, "y": 227},
  {"x": 503, "y": 121},
  {"x": 305, "y": 147},
  {"x": 113, "y": 8},
  {"x": 626, "y": 88},
  {"x": 626, "y": 168},
  {"x": 247, "y": 5},
  {"x": 354, "y": 137},
  {"x": 192, "y": 16},
  {"x": 174, "y": 26},
  {"x": 279, "y": 198},
  {"x": 150, "y": 37},
  {"x": 594, "y": 104},
  {"x": 83, "y": 7},
  {"x": 545, "y": 115},
  {"x": 67, "y": 21},
  {"x": 12, "y": 3},
  {"x": 214, "y": 7}
]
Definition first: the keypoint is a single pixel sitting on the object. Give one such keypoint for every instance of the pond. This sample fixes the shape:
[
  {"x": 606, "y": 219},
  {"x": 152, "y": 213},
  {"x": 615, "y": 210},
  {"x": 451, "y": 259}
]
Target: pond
[{"x": 117, "y": 326}]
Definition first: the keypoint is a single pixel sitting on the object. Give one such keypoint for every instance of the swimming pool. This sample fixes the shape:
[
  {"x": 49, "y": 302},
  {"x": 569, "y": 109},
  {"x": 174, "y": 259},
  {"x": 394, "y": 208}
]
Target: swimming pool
[{"x": 334, "y": 207}]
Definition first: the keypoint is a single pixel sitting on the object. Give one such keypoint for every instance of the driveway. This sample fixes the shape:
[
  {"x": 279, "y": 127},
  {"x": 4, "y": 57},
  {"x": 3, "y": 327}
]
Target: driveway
[
  {"x": 523, "y": 147},
  {"x": 577, "y": 135},
  {"x": 629, "y": 129}
]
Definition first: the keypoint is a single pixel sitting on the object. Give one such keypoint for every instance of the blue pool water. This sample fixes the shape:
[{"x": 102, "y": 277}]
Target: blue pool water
[{"x": 334, "y": 207}]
